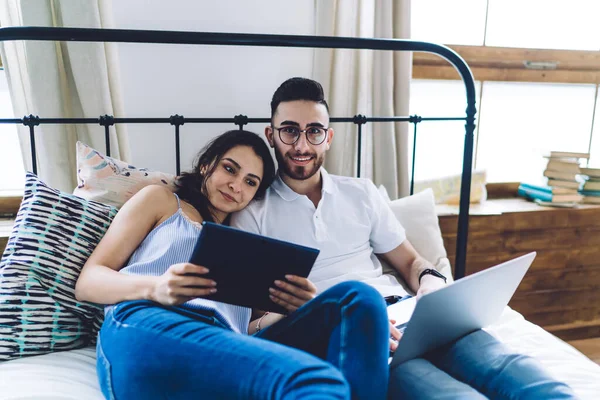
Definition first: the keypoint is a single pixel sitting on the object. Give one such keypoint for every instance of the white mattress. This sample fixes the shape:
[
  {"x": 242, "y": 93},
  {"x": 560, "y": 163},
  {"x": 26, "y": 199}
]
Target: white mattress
[
  {"x": 66, "y": 375},
  {"x": 71, "y": 375},
  {"x": 561, "y": 359}
]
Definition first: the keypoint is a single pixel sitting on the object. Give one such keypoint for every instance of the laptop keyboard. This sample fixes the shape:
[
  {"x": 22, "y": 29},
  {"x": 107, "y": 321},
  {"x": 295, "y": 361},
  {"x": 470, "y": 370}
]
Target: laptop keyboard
[{"x": 402, "y": 327}]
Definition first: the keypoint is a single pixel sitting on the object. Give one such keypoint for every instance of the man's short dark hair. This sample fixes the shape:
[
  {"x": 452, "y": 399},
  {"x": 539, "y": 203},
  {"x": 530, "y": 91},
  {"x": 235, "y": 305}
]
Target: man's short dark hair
[{"x": 298, "y": 89}]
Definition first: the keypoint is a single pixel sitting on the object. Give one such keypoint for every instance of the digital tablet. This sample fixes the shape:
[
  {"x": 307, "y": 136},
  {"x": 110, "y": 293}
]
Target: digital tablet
[{"x": 246, "y": 265}]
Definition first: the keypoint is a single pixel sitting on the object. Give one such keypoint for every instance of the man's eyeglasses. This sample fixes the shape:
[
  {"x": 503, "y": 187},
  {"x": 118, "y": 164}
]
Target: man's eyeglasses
[{"x": 290, "y": 134}]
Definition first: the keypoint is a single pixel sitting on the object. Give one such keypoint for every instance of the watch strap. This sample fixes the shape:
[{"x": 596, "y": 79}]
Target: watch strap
[{"x": 430, "y": 271}]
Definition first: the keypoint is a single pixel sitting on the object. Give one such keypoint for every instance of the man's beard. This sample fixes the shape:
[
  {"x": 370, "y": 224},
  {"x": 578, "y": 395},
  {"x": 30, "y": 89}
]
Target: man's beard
[{"x": 298, "y": 172}]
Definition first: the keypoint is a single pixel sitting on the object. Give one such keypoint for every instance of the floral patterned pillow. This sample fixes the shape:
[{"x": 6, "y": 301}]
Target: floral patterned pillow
[{"x": 110, "y": 181}]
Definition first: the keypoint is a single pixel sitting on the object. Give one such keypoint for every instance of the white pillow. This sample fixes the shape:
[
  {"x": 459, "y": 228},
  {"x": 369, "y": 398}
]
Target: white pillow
[
  {"x": 417, "y": 215},
  {"x": 384, "y": 193}
]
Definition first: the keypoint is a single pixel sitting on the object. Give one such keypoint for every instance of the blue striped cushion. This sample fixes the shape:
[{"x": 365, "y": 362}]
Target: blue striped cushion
[{"x": 53, "y": 235}]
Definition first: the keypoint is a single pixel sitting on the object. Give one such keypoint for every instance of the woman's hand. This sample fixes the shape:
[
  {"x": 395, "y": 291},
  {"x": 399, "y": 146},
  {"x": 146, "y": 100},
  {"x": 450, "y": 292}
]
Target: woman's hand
[
  {"x": 180, "y": 284},
  {"x": 294, "y": 293},
  {"x": 266, "y": 319}
]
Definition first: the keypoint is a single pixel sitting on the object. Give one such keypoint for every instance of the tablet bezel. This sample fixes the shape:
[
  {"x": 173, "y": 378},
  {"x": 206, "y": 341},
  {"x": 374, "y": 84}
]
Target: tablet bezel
[{"x": 245, "y": 264}]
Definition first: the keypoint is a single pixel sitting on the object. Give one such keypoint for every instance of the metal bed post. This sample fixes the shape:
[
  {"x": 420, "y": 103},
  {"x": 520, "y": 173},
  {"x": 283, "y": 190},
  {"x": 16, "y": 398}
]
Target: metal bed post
[
  {"x": 359, "y": 120},
  {"x": 177, "y": 121},
  {"x": 460, "y": 261},
  {"x": 106, "y": 121},
  {"x": 265, "y": 40},
  {"x": 414, "y": 119},
  {"x": 31, "y": 121},
  {"x": 240, "y": 121}
]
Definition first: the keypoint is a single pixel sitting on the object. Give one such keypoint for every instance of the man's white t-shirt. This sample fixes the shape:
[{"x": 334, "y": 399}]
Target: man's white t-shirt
[{"x": 351, "y": 224}]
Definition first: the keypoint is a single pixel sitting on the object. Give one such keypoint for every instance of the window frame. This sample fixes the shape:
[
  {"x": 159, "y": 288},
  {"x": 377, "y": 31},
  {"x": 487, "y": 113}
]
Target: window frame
[
  {"x": 510, "y": 64},
  {"x": 9, "y": 204}
]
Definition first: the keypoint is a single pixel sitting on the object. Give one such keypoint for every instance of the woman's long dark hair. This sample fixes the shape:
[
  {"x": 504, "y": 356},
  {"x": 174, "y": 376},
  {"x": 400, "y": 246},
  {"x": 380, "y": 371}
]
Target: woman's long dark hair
[{"x": 191, "y": 185}]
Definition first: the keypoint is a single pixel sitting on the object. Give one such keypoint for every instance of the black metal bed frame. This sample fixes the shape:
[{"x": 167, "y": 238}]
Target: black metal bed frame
[{"x": 264, "y": 40}]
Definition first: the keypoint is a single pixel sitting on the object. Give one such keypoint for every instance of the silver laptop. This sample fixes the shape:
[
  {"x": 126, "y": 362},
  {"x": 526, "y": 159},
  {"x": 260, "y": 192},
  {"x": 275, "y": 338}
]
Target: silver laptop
[{"x": 462, "y": 307}]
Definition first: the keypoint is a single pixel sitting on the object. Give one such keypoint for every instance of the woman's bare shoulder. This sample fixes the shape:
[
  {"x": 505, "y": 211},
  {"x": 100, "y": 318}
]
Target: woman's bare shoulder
[
  {"x": 156, "y": 190},
  {"x": 153, "y": 197}
]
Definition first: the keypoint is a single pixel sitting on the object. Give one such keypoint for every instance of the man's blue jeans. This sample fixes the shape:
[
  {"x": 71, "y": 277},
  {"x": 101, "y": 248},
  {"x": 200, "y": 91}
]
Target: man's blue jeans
[
  {"x": 476, "y": 366},
  {"x": 334, "y": 347}
]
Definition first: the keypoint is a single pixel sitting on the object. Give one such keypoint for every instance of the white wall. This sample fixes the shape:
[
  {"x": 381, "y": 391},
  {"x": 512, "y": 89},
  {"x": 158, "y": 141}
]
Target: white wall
[{"x": 204, "y": 81}]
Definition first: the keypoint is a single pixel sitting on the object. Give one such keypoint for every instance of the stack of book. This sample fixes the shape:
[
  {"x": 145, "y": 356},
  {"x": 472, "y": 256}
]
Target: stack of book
[
  {"x": 591, "y": 187},
  {"x": 562, "y": 169},
  {"x": 555, "y": 195},
  {"x": 562, "y": 186}
]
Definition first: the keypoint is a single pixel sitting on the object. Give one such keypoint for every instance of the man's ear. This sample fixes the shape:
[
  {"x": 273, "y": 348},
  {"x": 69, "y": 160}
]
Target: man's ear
[
  {"x": 329, "y": 138},
  {"x": 269, "y": 135}
]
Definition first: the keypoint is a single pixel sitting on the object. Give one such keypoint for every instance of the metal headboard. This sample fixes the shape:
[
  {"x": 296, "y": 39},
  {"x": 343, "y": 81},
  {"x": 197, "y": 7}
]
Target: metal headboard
[{"x": 264, "y": 40}]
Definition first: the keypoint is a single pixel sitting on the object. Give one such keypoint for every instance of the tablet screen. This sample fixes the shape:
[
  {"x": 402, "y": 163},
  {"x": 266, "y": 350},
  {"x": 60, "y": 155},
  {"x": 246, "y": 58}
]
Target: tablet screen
[{"x": 246, "y": 265}]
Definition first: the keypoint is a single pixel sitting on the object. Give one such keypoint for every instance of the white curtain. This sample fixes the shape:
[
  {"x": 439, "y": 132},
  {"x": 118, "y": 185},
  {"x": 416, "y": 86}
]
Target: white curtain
[
  {"x": 372, "y": 83},
  {"x": 62, "y": 79}
]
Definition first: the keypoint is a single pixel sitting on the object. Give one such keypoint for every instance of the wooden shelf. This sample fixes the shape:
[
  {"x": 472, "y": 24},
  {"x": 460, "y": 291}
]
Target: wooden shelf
[
  {"x": 589, "y": 347},
  {"x": 577, "y": 330},
  {"x": 561, "y": 291},
  {"x": 503, "y": 206}
]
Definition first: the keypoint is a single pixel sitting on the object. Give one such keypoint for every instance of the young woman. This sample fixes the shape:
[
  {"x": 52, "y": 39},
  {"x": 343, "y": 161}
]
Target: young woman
[{"x": 160, "y": 339}]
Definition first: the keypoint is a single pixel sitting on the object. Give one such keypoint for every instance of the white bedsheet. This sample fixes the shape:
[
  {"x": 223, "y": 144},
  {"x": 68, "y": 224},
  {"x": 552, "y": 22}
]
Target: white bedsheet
[
  {"x": 66, "y": 375},
  {"x": 71, "y": 375},
  {"x": 561, "y": 359}
]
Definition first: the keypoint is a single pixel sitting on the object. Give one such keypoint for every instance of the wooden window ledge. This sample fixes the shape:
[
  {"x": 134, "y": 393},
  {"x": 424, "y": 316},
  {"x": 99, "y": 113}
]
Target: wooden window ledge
[
  {"x": 9, "y": 204},
  {"x": 503, "y": 206},
  {"x": 6, "y": 225}
]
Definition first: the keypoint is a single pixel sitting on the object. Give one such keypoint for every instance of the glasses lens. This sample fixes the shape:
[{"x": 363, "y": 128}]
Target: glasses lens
[
  {"x": 316, "y": 135},
  {"x": 289, "y": 134}
]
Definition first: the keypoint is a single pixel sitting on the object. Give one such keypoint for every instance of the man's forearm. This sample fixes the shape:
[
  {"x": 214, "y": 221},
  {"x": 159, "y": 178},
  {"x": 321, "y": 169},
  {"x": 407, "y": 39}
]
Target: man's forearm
[{"x": 408, "y": 263}]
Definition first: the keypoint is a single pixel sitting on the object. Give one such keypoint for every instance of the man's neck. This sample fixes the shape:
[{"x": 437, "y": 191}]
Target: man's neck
[{"x": 310, "y": 187}]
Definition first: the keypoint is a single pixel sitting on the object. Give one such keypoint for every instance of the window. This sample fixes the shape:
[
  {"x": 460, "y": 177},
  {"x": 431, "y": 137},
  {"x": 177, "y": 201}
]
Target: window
[
  {"x": 458, "y": 21},
  {"x": 11, "y": 160},
  {"x": 519, "y": 122},
  {"x": 536, "y": 63},
  {"x": 543, "y": 24},
  {"x": 440, "y": 142}
]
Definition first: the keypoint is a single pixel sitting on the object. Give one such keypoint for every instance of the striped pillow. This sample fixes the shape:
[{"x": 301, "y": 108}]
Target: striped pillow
[{"x": 53, "y": 235}]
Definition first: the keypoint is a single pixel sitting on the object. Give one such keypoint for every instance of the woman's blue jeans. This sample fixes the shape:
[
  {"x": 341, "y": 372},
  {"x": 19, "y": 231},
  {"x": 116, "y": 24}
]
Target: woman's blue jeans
[{"x": 334, "y": 347}]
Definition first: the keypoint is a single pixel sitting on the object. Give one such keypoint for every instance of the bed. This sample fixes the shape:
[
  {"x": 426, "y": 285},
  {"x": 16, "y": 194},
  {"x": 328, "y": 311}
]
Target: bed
[{"x": 70, "y": 374}]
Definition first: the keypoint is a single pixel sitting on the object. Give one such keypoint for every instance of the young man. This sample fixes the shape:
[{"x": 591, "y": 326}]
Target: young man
[{"x": 348, "y": 220}]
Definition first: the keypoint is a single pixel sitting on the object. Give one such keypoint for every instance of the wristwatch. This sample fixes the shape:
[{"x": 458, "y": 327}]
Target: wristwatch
[{"x": 433, "y": 272}]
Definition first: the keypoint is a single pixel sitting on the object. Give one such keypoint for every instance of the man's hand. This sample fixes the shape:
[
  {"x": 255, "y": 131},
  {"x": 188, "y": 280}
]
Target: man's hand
[
  {"x": 294, "y": 293},
  {"x": 429, "y": 283},
  {"x": 395, "y": 335}
]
